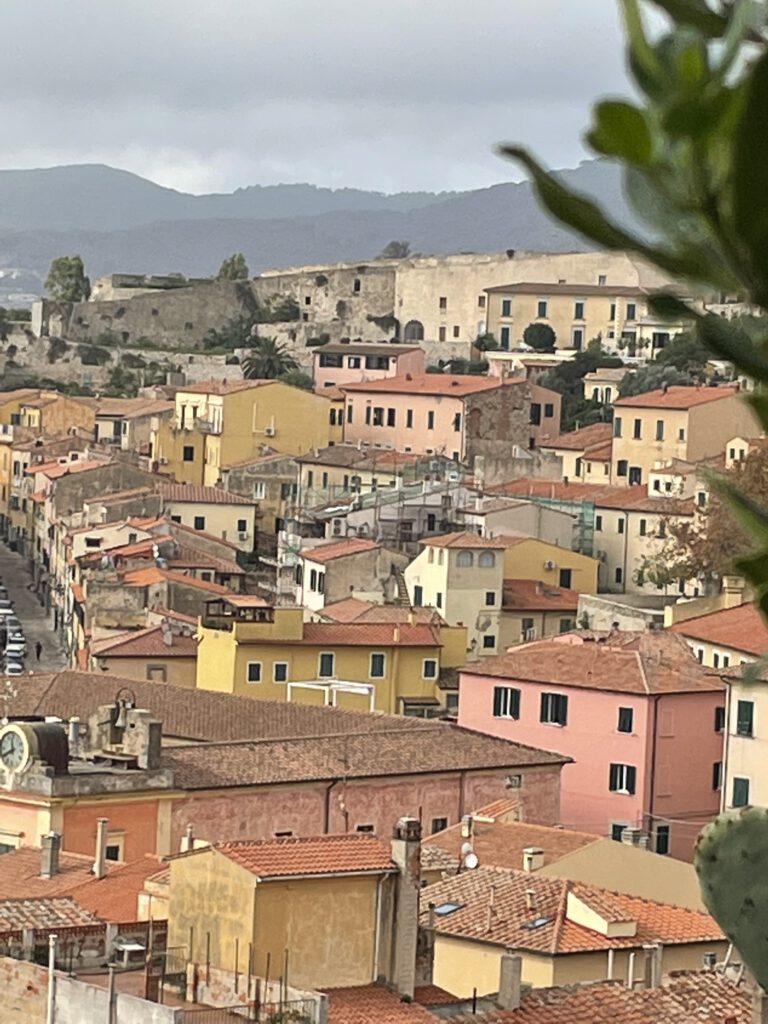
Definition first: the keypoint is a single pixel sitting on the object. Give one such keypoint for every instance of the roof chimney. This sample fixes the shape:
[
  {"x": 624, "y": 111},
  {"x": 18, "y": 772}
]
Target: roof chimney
[
  {"x": 530, "y": 899},
  {"x": 188, "y": 842},
  {"x": 510, "y": 981},
  {"x": 533, "y": 858},
  {"x": 49, "y": 860},
  {"x": 100, "y": 864},
  {"x": 466, "y": 826},
  {"x": 406, "y": 853}
]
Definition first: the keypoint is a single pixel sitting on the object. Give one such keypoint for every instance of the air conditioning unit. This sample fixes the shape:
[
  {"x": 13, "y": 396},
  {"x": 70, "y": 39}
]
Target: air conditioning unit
[
  {"x": 270, "y": 431},
  {"x": 337, "y": 527},
  {"x": 162, "y": 461},
  {"x": 242, "y": 536},
  {"x": 549, "y": 565}
]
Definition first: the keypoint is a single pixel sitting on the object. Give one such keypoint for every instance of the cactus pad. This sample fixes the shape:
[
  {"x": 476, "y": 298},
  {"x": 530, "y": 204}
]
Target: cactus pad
[{"x": 732, "y": 864}]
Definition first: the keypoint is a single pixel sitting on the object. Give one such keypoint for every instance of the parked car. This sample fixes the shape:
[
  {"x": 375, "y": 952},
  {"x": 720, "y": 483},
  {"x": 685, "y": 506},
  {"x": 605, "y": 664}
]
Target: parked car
[
  {"x": 15, "y": 649},
  {"x": 7, "y": 612},
  {"x": 14, "y": 668},
  {"x": 12, "y": 622},
  {"x": 15, "y": 635}
]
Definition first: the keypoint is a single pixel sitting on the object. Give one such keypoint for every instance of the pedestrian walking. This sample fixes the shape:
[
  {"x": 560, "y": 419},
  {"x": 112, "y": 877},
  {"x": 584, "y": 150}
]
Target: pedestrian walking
[{"x": 38, "y": 650}]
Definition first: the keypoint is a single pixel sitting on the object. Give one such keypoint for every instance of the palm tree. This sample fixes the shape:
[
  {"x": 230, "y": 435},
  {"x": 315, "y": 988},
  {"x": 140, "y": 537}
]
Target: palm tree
[{"x": 268, "y": 360}]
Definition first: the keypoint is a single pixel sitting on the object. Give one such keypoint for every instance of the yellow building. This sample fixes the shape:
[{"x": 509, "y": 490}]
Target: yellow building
[
  {"x": 218, "y": 423},
  {"x": 562, "y": 929},
  {"x": 251, "y": 649},
  {"x": 317, "y": 900},
  {"x": 46, "y": 411},
  {"x": 527, "y": 558},
  {"x": 212, "y": 510},
  {"x": 585, "y": 453},
  {"x": 156, "y": 654},
  {"x": 688, "y": 424}
]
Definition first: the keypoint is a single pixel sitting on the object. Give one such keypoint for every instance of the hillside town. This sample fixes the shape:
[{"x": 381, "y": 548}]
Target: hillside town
[{"x": 376, "y": 668}]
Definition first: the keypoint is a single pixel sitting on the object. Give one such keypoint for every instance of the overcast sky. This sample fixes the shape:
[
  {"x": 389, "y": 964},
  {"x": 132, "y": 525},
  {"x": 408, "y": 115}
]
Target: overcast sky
[{"x": 211, "y": 96}]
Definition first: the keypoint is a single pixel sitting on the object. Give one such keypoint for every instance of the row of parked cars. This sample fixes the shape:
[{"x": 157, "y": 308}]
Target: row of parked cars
[{"x": 14, "y": 644}]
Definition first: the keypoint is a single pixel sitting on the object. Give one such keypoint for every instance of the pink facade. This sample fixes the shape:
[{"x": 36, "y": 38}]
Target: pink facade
[
  {"x": 672, "y": 745},
  {"x": 340, "y": 364},
  {"x": 546, "y": 413},
  {"x": 419, "y": 423}
]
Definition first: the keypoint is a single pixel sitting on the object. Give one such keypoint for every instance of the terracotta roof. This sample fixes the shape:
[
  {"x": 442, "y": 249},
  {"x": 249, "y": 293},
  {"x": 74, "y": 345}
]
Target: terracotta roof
[
  {"x": 116, "y": 896},
  {"x": 222, "y": 387},
  {"x": 352, "y": 609},
  {"x": 676, "y": 397},
  {"x": 367, "y": 348},
  {"x": 354, "y": 853},
  {"x": 742, "y": 629},
  {"x": 462, "y": 539},
  {"x": 366, "y": 1004},
  {"x": 601, "y": 452},
  {"x": 349, "y": 455},
  {"x": 175, "y": 528},
  {"x": 43, "y": 912},
  {"x": 145, "y": 643},
  {"x": 20, "y": 875},
  {"x": 339, "y": 549},
  {"x": 247, "y": 601},
  {"x": 499, "y": 840},
  {"x": 509, "y": 923},
  {"x": 578, "y": 440},
  {"x": 153, "y": 574},
  {"x": 564, "y": 288},
  {"x": 695, "y": 997},
  {"x": 138, "y": 547},
  {"x": 202, "y": 495},
  {"x": 132, "y": 408},
  {"x": 457, "y": 385},
  {"x": 631, "y": 499},
  {"x": 371, "y": 634},
  {"x": 116, "y": 497},
  {"x": 649, "y": 662},
  {"x": 534, "y": 595},
  {"x": 54, "y": 470}
]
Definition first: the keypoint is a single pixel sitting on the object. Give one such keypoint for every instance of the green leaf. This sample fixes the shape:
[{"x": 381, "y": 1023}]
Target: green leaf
[
  {"x": 696, "y": 14},
  {"x": 647, "y": 69},
  {"x": 670, "y": 307},
  {"x": 622, "y": 130},
  {"x": 730, "y": 343},
  {"x": 750, "y": 178}
]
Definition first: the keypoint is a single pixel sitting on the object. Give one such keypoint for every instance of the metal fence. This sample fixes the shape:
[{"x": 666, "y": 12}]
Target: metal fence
[{"x": 300, "y": 1011}]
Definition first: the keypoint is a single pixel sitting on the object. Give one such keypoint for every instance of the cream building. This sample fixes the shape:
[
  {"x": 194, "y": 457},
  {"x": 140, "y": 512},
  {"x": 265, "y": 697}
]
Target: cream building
[{"x": 212, "y": 510}]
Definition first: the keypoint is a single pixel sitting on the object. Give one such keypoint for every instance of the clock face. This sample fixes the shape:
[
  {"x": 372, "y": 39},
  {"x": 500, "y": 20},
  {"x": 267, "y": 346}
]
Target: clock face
[{"x": 12, "y": 752}]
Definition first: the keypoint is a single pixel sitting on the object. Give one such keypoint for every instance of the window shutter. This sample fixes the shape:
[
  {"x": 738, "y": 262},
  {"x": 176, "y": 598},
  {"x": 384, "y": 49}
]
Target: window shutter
[
  {"x": 613, "y": 781},
  {"x": 631, "y": 779},
  {"x": 515, "y": 703},
  {"x": 543, "y": 710},
  {"x": 497, "y": 698}
]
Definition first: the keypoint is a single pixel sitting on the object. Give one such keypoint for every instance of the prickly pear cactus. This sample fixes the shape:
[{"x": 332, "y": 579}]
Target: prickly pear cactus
[{"x": 732, "y": 865}]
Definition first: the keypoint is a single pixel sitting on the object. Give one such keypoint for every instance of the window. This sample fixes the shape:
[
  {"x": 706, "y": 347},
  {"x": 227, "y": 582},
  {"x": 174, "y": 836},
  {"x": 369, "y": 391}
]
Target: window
[
  {"x": 549, "y": 411},
  {"x": 486, "y": 560},
  {"x": 637, "y": 430},
  {"x": 456, "y": 331},
  {"x": 626, "y": 716},
  {"x": 541, "y": 309},
  {"x": 441, "y": 334},
  {"x": 578, "y": 310},
  {"x": 377, "y": 665},
  {"x": 409, "y": 418},
  {"x": 505, "y": 337},
  {"x": 622, "y": 467},
  {"x": 350, "y": 409},
  {"x": 617, "y": 427},
  {"x": 631, "y": 311},
  {"x": 175, "y": 519},
  {"x": 622, "y": 778},
  {"x": 659, "y": 430},
  {"x": 662, "y": 839},
  {"x": 506, "y": 702},
  {"x": 391, "y": 417},
  {"x": 577, "y": 337},
  {"x": 717, "y": 775},
  {"x": 438, "y": 600},
  {"x": 253, "y": 672},
  {"x": 489, "y": 642},
  {"x": 490, "y": 598},
  {"x": 457, "y": 422},
  {"x": 601, "y": 280},
  {"x": 93, "y": 542},
  {"x": 199, "y": 522},
  {"x": 356, "y": 285},
  {"x": 598, "y": 524},
  {"x": 740, "y": 792},
  {"x": 378, "y": 416},
  {"x": 464, "y": 560},
  {"x": 331, "y": 359},
  {"x": 189, "y": 453},
  {"x": 620, "y": 526},
  {"x": 443, "y": 302},
  {"x": 481, "y": 302},
  {"x": 364, "y": 828},
  {"x": 566, "y": 578},
  {"x": 354, "y": 362},
  {"x": 716, "y": 660},
  {"x": 438, "y": 825},
  {"x": 616, "y": 829},
  {"x": 554, "y": 709},
  {"x": 418, "y": 595},
  {"x": 535, "y": 418},
  {"x": 719, "y": 718},
  {"x": 288, "y": 834},
  {"x": 642, "y": 527},
  {"x": 527, "y": 628},
  {"x": 745, "y": 713},
  {"x": 506, "y": 307},
  {"x": 114, "y": 849},
  {"x": 681, "y": 434},
  {"x": 612, "y": 314},
  {"x": 619, "y": 576},
  {"x": 242, "y": 525},
  {"x": 430, "y": 420},
  {"x": 700, "y": 655},
  {"x": 566, "y": 625},
  {"x": 577, "y": 467},
  {"x": 157, "y": 674},
  {"x": 326, "y": 665},
  {"x": 280, "y": 672},
  {"x": 429, "y": 668}
]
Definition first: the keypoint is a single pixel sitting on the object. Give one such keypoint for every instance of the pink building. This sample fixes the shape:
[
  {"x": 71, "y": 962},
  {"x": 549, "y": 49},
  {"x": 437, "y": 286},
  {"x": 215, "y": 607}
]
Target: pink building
[
  {"x": 456, "y": 415},
  {"x": 641, "y": 718},
  {"x": 345, "y": 363}
]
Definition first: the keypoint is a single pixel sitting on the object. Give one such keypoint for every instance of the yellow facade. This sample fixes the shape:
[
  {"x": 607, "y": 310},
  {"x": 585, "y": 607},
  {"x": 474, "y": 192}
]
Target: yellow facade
[
  {"x": 210, "y": 430},
  {"x": 533, "y": 559},
  {"x": 328, "y": 925},
  {"x": 176, "y": 671},
  {"x": 270, "y": 660},
  {"x": 515, "y": 626},
  {"x": 234, "y": 523}
]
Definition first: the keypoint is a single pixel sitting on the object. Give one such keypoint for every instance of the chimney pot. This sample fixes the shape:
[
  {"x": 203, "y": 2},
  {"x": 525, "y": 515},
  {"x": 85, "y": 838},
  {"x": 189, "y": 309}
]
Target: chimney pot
[
  {"x": 530, "y": 899},
  {"x": 188, "y": 842},
  {"x": 510, "y": 981},
  {"x": 50, "y": 850},
  {"x": 100, "y": 864},
  {"x": 533, "y": 858}
]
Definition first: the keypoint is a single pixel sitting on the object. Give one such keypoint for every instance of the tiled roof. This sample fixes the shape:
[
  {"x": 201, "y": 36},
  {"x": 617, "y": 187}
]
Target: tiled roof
[
  {"x": 146, "y": 643},
  {"x": 20, "y": 874},
  {"x": 552, "y": 288},
  {"x": 138, "y": 547},
  {"x": 222, "y": 387},
  {"x": 631, "y": 499},
  {"x": 202, "y": 495},
  {"x": 368, "y": 348},
  {"x": 175, "y": 528},
  {"x": 315, "y": 855},
  {"x": 742, "y": 629},
  {"x": 601, "y": 452},
  {"x": 247, "y": 601},
  {"x": 153, "y": 574},
  {"x": 676, "y": 397},
  {"x": 649, "y": 662},
  {"x": 509, "y": 921},
  {"x": 353, "y": 609},
  {"x": 462, "y": 539},
  {"x": 457, "y": 385},
  {"x": 374, "y": 1004},
  {"x": 132, "y": 408},
  {"x": 43, "y": 912},
  {"x": 499, "y": 841},
  {"x": 534, "y": 595},
  {"x": 578, "y": 440},
  {"x": 371, "y": 634},
  {"x": 339, "y": 549},
  {"x": 695, "y": 997},
  {"x": 116, "y": 896},
  {"x": 54, "y": 470}
]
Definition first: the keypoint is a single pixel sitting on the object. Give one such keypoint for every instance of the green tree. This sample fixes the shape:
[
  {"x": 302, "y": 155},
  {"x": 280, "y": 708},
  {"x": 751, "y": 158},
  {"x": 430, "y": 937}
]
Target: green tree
[
  {"x": 486, "y": 343},
  {"x": 234, "y": 268},
  {"x": 651, "y": 377},
  {"x": 298, "y": 379},
  {"x": 686, "y": 352},
  {"x": 236, "y": 333},
  {"x": 567, "y": 379},
  {"x": 395, "y": 250},
  {"x": 66, "y": 281},
  {"x": 540, "y": 337},
  {"x": 268, "y": 360}
]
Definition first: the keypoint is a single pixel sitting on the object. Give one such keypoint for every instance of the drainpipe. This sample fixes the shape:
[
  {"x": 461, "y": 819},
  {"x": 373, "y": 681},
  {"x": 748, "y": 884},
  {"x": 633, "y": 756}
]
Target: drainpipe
[
  {"x": 377, "y": 930},
  {"x": 50, "y": 1000},
  {"x": 726, "y": 738},
  {"x": 327, "y": 810},
  {"x": 462, "y": 780},
  {"x": 653, "y": 765}
]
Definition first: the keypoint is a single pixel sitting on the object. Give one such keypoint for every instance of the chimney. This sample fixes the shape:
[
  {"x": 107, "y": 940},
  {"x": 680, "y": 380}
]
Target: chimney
[
  {"x": 49, "y": 859},
  {"x": 406, "y": 853},
  {"x": 100, "y": 864},
  {"x": 510, "y": 979},
  {"x": 73, "y": 733},
  {"x": 530, "y": 899},
  {"x": 533, "y": 858},
  {"x": 188, "y": 842},
  {"x": 467, "y": 826}
]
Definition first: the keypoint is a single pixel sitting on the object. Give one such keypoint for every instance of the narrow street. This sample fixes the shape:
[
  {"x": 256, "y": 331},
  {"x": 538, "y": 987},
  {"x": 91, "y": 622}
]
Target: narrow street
[{"x": 35, "y": 623}]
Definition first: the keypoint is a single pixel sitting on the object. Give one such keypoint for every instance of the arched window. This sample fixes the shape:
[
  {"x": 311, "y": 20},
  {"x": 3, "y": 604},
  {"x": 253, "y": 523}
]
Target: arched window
[
  {"x": 464, "y": 559},
  {"x": 487, "y": 560},
  {"x": 413, "y": 331}
]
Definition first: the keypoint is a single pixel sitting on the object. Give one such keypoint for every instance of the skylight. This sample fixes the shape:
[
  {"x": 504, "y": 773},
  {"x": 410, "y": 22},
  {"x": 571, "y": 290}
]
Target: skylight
[
  {"x": 442, "y": 909},
  {"x": 538, "y": 922}
]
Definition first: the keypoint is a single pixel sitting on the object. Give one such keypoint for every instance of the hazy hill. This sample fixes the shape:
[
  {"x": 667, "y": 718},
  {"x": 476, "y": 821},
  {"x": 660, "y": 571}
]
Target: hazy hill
[{"x": 120, "y": 222}]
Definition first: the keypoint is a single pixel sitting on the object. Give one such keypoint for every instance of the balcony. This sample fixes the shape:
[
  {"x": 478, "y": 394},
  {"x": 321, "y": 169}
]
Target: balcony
[{"x": 208, "y": 426}]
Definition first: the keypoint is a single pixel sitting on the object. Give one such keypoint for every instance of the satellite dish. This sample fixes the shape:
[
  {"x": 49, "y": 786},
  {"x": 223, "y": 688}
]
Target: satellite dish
[{"x": 471, "y": 861}]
